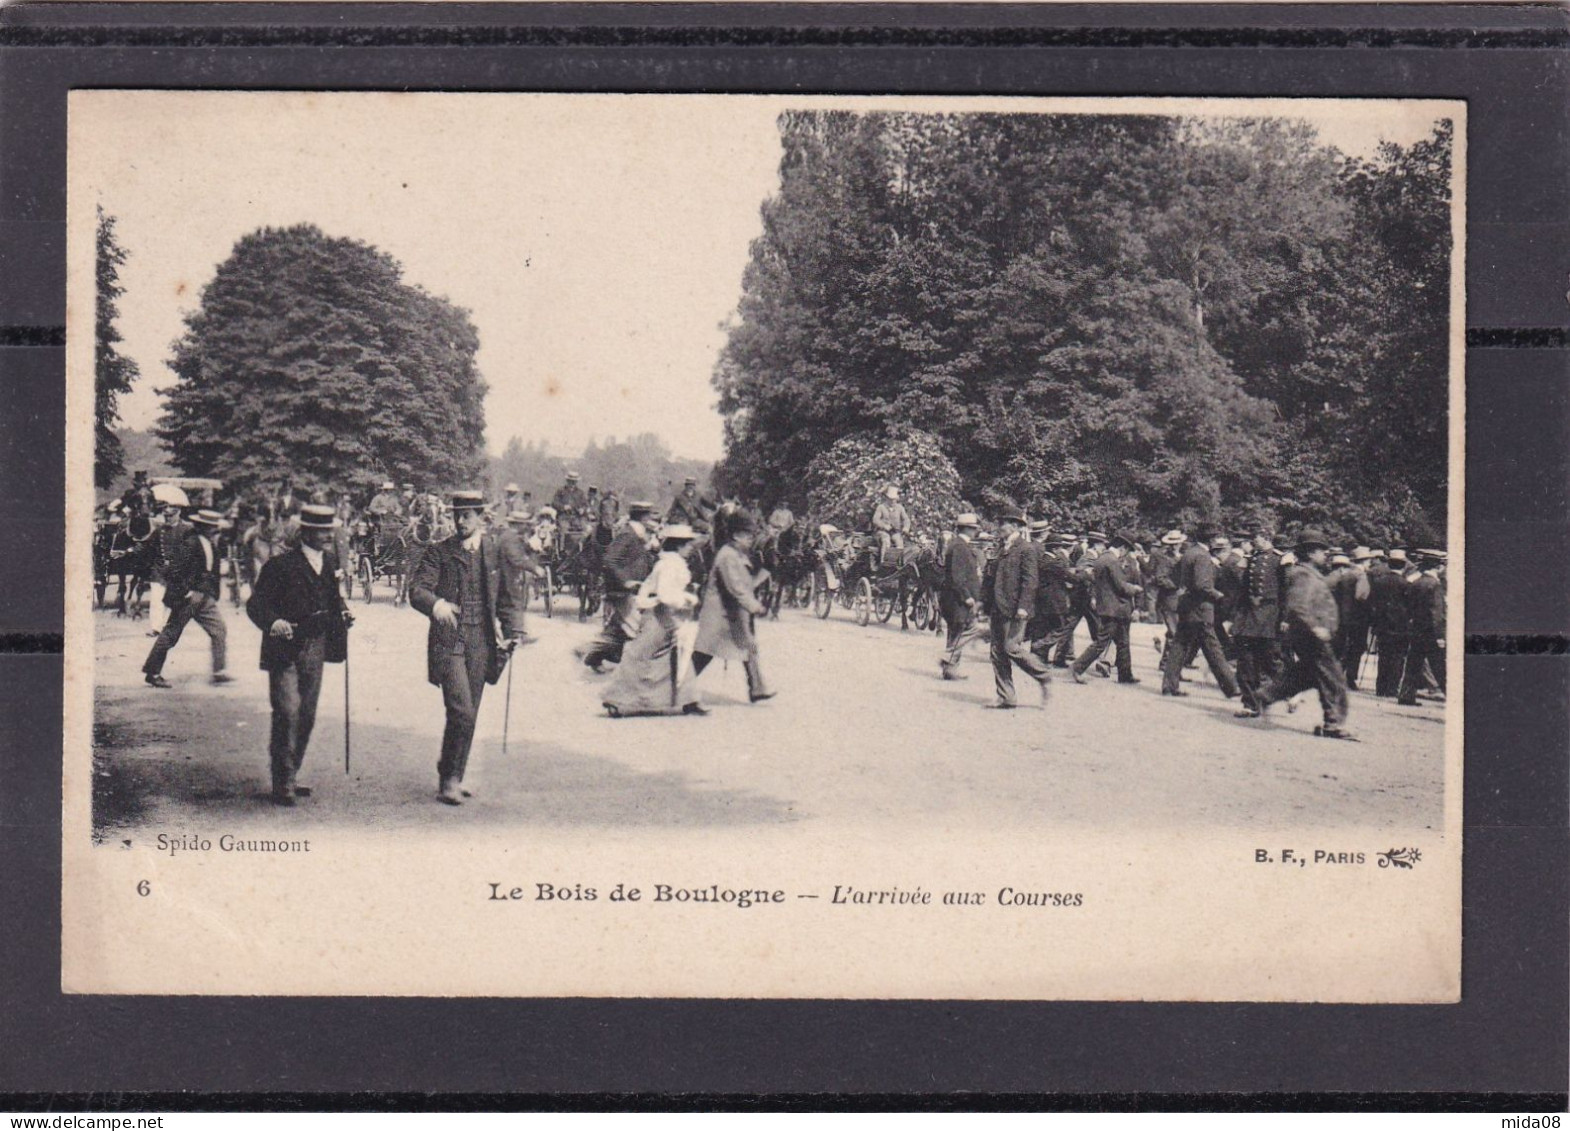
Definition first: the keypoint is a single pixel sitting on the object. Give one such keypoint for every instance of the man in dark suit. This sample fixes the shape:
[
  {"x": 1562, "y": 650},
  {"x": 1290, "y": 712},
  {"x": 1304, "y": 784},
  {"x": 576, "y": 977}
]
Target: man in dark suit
[
  {"x": 1256, "y": 624},
  {"x": 464, "y": 585},
  {"x": 191, "y": 593},
  {"x": 1389, "y": 621},
  {"x": 1163, "y": 576},
  {"x": 1054, "y": 585},
  {"x": 1309, "y": 613},
  {"x": 1198, "y": 594},
  {"x": 960, "y": 595},
  {"x": 298, "y": 605},
  {"x": 1425, "y": 625},
  {"x": 628, "y": 560},
  {"x": 1112, "y": 597},
  {"x": 1013, "y": 596}
]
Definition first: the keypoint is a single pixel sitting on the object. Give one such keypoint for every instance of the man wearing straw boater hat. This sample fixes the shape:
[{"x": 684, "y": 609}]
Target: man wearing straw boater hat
[
  {"x": 191, "y": 593},
  {"x": 1310, "y": 614},
  {"x": 298, "y": 605},
  {"x": 464, "y": 585}
]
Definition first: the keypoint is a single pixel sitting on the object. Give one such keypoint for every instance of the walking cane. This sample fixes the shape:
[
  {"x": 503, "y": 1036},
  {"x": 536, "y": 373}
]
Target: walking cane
[
  {"x": 346, "y": 703},
  {"x": 507, "y": 709}
]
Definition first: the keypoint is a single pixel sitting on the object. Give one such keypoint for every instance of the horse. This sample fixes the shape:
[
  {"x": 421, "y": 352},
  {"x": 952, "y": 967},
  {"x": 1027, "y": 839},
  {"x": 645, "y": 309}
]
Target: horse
[
  {"x": 788, "y": 560},
  {"x": 130, "y": 559}
]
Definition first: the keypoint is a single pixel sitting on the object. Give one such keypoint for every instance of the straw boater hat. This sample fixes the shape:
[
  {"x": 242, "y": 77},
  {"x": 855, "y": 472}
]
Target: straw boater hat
[
  {"x": 1435, "y": 556},
  {"x": 1340, "y": 560},
  {"x": 891, "y": 491},
  {"x": 1362, "y": 554},
  {"x": 690, "y": 481},
  {"x": 467, "y": 501},
  {"x": 388, "y": 485},
  {"x": 1095, "y": 536},
  {"x": 968, "y": 520},
  {"x": 1174, "y": 538},
  {"x": 1040, "y": 526},
  {"x": 572, "y": 475},
  {"x": 678, "y": 531},
  {"x": 205, "y": 517},
  {"x": 1398, "y": 556},
  {"x": 511, "y": 488},
  {"x": 315, "y": 517}
]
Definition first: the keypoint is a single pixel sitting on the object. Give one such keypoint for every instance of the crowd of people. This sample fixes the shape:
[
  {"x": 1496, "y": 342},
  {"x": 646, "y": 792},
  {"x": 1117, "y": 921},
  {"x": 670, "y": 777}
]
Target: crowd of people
[
  {"x": 681, "y": 589},
  {"x": 1270, "y": 625}
]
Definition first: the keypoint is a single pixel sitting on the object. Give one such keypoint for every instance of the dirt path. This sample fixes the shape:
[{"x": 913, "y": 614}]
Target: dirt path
[{"x": 863, "y": 734}]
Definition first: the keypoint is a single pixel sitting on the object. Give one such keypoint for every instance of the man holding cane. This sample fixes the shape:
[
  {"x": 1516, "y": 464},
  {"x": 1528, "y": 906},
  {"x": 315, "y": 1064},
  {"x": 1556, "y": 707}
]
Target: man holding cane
[
  {"x": 298, "y": 605},
  {"x": 463, "y": 584}
]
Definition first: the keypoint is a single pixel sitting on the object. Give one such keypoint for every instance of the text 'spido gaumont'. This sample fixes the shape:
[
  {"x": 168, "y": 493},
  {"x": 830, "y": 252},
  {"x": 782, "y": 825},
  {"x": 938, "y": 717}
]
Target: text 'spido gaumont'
[{"x": 841, "y": 895}]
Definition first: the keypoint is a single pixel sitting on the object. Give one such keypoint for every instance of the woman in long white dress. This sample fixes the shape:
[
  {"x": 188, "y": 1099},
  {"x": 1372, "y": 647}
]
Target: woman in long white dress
[{"x": 654, "y": 676}]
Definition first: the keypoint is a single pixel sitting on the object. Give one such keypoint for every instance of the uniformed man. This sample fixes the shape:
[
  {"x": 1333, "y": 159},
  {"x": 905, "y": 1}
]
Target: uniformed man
[
  {"x": 1309, "y": 611},
  {"x": 1256, "y": 624},
  {"x": 628, "y": 560},
  {"x": 1012, "y": 598},
  {"x": 191, "y": 593},
  {"x": 960, "y": 595},
  {"x": 463, "y": 585},
  {"x": 890, "y": 522},
  {"x": 1425, "y": 625},
  {"x": 1196, "y": 608},
  {"x": 569, "y": 499},
  {"x": 1112, "y": 597},
  {"x": 298, "y": 604}
]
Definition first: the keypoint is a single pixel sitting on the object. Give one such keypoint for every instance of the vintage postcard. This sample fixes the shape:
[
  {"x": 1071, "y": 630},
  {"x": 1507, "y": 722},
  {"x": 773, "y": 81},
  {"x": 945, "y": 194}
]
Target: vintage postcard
[{"x": 764, "y": 546}]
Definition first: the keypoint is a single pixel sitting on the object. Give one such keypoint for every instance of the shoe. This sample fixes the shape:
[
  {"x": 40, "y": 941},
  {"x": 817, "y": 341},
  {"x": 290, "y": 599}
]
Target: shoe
[
  {"x": 447, "y": 794},
  {"x": 286, "y": 800},
  {"x": 611, "y": 710},
  {"x": 1131, "y": 679},
  {"x": 464, "y": 790},
  {"x": 1079, "y": 676},
  {"x": 1176, "y": 694},
  {"x": 158, "y": 681},
  {"x": 695, "y": 709},
  {"x": 953, "y": 677},
  {"x": 1060, "y": 663},
  {"x": 1246, "y": 713},
  {"x": 1046, "y": 691},
  {"x": 525, "y": 639},
  {"x": 1407, "y": 703},
  {"x": 221, "y": 678},
  {"x": 1334, "y": 732},
  {"x": 1005, "y": 706},
  {"x": 302, "y": 791},
  {"x": 762, "y": 695},
  {"x": 1103, "y": 669}
]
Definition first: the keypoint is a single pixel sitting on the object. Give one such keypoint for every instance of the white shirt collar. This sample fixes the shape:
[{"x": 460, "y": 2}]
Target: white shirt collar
[
  {"x": 472, "y": 542},
  {"x": 313, "y": 557}
]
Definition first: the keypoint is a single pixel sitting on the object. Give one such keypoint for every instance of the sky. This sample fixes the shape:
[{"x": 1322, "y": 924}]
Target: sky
[{"x": 598, "y": 241}]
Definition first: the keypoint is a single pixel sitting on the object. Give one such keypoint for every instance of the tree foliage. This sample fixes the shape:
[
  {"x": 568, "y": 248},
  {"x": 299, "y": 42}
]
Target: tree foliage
[
  {"x": 1119, "y": 320},
  {"x": 845, "y": 482},
  {"x": 639, "y": 467},
  {"x": 113, "y": 372},
  {"x": 310, "y": 359}
]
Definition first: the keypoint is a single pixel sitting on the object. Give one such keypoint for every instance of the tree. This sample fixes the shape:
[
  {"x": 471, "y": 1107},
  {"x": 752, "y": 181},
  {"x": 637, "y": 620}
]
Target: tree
[
  {"x": 846, "y": 481},
  {"x": 113, "y": 372},
  {"x": 310, "y": 359}
]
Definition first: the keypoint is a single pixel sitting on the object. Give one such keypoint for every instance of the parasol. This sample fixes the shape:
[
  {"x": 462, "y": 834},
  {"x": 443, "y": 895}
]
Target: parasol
[{"x": 169, "y": 493}]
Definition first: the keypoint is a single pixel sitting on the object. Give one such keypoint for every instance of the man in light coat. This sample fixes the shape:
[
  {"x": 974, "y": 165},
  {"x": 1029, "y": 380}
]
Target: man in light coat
[{"x": 730, "y": 604}]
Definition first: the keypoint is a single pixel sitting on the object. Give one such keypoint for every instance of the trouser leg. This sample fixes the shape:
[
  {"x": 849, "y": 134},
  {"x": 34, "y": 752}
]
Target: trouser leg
[
  {"x": 1331, "y": 682},
  {"x": 168, "y": 637},
  {"x": 283, "y": 691},
  {"x": 1172, "y": 658},
  {"x": 1125, "y": 649},
  {"x": 1063, "y": 640},
  {"x": 205, "y": 612},
  {"x": 463, "y": 684},
  {"x": 964, "y": 628},
  {"x": 1352, "y": 654},
  {"x": 1389, "y": 664},
  {"x": 756, "y": 684},
  {"x": 1096, "y": 648},
  {"x": 1002, "y": 666},
  {"x": 1211, "y": 647},
  {"x": 309, "y": 667},
  {"x": 1023, "y": 657}
]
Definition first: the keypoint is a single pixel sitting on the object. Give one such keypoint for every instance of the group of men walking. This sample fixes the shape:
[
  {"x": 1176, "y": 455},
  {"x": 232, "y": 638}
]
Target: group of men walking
[{"x": 1269, "y": 625}]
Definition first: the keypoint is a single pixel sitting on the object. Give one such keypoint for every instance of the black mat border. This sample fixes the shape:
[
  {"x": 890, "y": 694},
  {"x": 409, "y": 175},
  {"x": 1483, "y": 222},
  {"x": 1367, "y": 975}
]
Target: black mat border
[{"x": 1506, "y": 1041}]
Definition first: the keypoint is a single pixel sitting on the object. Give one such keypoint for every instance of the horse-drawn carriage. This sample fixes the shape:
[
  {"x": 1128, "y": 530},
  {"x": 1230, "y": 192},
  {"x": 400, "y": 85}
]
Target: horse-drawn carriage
[
  {"x": 852, "y": 572},
  {"x": 388, "y": 549},
  {"x": 570, "y": 561}
]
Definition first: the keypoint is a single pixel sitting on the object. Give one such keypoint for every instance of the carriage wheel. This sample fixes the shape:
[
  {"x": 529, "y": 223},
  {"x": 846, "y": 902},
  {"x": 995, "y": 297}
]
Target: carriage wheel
[
  {"x": 549, "y": 591},
  {"x": 863, "y": 605},
  {"x": 921, "y": 609},
  {"x": 366, "y": 578},
  {"x": 883, "y": 605},
  {"x": 822, "y": 595}
]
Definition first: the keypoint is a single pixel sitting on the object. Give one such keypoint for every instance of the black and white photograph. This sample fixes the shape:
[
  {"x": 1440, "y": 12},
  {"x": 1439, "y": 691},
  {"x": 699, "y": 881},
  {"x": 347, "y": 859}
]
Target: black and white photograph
[{"x": 764, "y": 546}]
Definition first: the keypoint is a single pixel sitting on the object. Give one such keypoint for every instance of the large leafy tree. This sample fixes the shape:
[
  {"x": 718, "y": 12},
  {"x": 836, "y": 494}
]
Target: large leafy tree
[
  {"x": 1110, "y": 319},
  {"x": 310, "y": 359},
  {"x": 113, "y": 372}
]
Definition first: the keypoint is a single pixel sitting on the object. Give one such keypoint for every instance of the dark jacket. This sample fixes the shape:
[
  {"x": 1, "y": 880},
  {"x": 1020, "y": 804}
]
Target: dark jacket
[
  {"x": 1197, "y": 591},
  {"x": 440, "y": 576},
  {"x": 961, "y": 578},
  {"x": 1163, "y": 576},
  {"x": 1349, "y": 585},
  {"x": 1112, "y": 591},
  {"x": 1014, "y": 587},
  {"x": 1426, "y": 606},
  {"x": 627, "y": 560},
  {"x": 1309, "y": 604},
  {"x": 288, "y": 589},
  {"x": 1258, "y": 612},
  {"x": 187, "y": 571},
  {"x": 1387, "y": 604},
  {"x": 1054, "y": 578}
]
